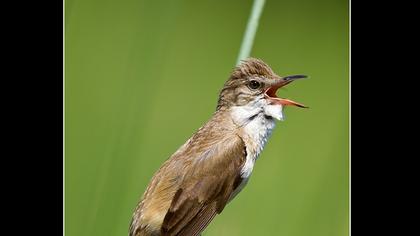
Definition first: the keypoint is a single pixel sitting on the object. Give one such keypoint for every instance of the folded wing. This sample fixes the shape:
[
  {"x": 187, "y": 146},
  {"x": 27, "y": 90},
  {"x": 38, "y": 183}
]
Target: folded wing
[{"x": 206, "y": 188}]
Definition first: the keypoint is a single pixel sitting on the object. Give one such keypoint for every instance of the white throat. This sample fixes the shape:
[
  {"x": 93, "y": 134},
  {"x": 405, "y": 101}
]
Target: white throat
[{"x": 256, "y": 119}]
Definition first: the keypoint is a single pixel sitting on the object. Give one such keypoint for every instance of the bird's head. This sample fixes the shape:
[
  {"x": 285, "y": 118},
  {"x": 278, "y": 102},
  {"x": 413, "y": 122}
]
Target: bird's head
[{"x": 252, "y": 88}]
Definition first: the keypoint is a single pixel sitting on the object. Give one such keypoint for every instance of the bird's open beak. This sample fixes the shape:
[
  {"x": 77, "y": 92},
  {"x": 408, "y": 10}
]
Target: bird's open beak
[{"x": 277, "y": 83}]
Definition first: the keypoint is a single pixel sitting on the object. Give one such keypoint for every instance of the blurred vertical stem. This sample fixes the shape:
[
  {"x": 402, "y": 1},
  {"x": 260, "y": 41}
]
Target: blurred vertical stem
[{"x": 251, "y": 29}]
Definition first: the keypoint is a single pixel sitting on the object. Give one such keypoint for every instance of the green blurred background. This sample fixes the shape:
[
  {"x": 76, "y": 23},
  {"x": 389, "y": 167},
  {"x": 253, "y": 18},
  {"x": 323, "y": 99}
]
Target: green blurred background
[{"x": 142, "y": 76}]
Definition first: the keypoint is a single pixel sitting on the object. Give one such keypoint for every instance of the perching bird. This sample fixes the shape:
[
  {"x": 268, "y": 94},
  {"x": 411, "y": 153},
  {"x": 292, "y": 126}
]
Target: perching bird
[{"x": 212, "y": 167}]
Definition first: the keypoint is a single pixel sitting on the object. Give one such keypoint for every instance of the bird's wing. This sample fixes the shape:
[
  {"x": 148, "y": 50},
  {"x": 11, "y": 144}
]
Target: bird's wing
[{"x": 206, "y": 188}]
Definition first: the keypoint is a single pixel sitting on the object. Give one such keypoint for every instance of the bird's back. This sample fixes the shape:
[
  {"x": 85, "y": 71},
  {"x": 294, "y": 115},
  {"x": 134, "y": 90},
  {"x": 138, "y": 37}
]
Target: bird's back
[{"x": 198, "y": 179}]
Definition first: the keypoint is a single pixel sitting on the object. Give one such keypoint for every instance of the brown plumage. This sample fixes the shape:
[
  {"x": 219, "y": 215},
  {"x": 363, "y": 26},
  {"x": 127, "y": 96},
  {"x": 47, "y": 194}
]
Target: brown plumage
[
  {"x": 198, "y": 180},
  {"x": 180, "y": 190}
]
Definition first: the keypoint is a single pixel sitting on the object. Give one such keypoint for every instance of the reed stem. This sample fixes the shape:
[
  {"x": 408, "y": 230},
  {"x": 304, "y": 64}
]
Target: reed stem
[{"x": 250, "y": 31}]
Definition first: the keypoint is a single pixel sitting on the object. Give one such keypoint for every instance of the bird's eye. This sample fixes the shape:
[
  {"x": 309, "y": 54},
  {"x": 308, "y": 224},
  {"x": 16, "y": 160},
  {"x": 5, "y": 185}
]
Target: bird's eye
[{"x": 253, "y": 84}]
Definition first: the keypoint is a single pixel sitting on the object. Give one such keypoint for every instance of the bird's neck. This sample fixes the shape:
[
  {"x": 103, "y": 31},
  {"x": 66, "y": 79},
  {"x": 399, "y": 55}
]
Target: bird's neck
[
  {"x": 252, "y": 122},
  {"x": 254, "y": 126}
]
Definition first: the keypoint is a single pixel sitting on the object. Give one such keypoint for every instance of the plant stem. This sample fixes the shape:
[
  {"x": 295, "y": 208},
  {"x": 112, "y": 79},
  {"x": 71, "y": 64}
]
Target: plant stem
[{"x": 251, "y": 29}]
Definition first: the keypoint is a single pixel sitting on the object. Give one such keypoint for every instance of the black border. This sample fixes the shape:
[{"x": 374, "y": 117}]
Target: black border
[{"x": 33, "y": 93}]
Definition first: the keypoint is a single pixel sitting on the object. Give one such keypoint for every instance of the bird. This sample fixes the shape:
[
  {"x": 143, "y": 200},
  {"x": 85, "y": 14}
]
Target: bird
[{"x": 194, "y": 184}]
